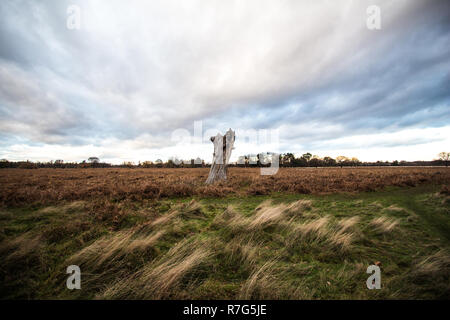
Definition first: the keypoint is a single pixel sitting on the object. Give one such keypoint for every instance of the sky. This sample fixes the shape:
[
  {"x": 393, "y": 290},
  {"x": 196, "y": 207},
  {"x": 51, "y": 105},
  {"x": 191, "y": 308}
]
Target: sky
[{"x": 147, "y": 80}]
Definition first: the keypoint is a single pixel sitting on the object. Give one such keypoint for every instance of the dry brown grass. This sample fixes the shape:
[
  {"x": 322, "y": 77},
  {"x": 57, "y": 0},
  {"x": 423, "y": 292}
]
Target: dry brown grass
[
  {"x": 384, "y": 224},
  {"x": 341, "y": 240},
  {"x": 300, "y": 228},
  {"x": 266, "y": 215},
  {"x": 176, "y": 272},
  {"x": 191, "y": 210},
  {"x": 243, "y": 250},
  {"x": 260, "y": 284},
  {"x": 68, "y": 208},
  {"x": 300, "y": 206},
  {"x": 430, "y": 274},
  {"x": 161, "y": 279},
  {"x": 436, "y": 264},
  {"x": 343, "y": 234},
  {"x": 324, "y": 231},
  {"x": 111, "y": 249},
  {"x": 21, "y": 249},
  {"x": 269, "y": 282},
  {"x": 314, "y": 229},
  {"x": 348, "y": 223},
  {"x": 49, "y": 186}
]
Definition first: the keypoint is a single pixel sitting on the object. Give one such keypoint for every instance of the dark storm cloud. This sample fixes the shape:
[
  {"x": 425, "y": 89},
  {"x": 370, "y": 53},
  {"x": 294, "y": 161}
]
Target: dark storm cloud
[{"x": 399, "y": 79}]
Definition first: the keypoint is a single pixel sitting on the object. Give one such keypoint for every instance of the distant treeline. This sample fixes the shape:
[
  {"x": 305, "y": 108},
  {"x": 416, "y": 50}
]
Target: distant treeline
[
  {"x": 260, "y": 160},
  {"x": 61, "y": 164}
]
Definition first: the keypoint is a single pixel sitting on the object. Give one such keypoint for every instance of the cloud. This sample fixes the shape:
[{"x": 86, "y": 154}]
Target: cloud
[{"x": 137, "y": 71}]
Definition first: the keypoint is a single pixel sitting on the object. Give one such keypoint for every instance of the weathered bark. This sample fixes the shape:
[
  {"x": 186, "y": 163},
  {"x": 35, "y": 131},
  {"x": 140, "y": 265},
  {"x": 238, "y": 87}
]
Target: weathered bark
[{"x": 223, "y": 145}]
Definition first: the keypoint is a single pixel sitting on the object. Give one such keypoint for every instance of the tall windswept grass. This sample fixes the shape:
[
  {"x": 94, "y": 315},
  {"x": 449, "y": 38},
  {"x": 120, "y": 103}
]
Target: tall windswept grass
[
  {"x": 112, "y": 249},
  {"x": 430, "y": 275},
  {"x": 324, "y": 232},
  {"x": 348, "y": 223},
  {"x": 164, "y": 219},
  {"x": 23, "y": 248},
  {"x": 269, "y": 281},
  {"x": 313, "y": 229},
  {"x": 163, "y": 278},
  {"x": 341, "y": 240},
  {"x": 243, "y": 250},
  {"x": 260, "y": 284},
  {"x": 299, "y": 206},
  {"x": 293, "y": 230},
  {"x": 193, "y": 209},
  {"x": 436, "y": 264},
  {"x": 231, "y": 220},
  {"x": 124, "y": 253},
  {"x": 266, "y": 215},
  {"x": 384, "y": 224}
]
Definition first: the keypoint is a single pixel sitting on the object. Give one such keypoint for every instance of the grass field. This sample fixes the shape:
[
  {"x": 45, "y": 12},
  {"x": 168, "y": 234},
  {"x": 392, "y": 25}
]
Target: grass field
[{"x": 161, "y": 234}]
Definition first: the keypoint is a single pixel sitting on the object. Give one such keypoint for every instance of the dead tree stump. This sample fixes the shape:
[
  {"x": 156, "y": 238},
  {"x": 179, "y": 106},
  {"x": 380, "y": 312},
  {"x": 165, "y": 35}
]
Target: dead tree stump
[{"x": 222, "y": 153}]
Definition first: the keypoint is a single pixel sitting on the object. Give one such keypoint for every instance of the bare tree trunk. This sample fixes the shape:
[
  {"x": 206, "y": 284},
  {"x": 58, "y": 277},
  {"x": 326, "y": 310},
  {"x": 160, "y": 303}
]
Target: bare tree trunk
[{"x": 223, "y": 145}]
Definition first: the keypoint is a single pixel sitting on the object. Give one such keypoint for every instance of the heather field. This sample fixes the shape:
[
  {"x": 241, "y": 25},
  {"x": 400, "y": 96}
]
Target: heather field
[{"x": 304, "y": 233}]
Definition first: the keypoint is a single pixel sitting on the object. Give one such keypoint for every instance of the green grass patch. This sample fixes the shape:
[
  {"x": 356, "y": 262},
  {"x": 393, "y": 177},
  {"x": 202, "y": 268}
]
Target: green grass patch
[{"x": 278, "y": 246}]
